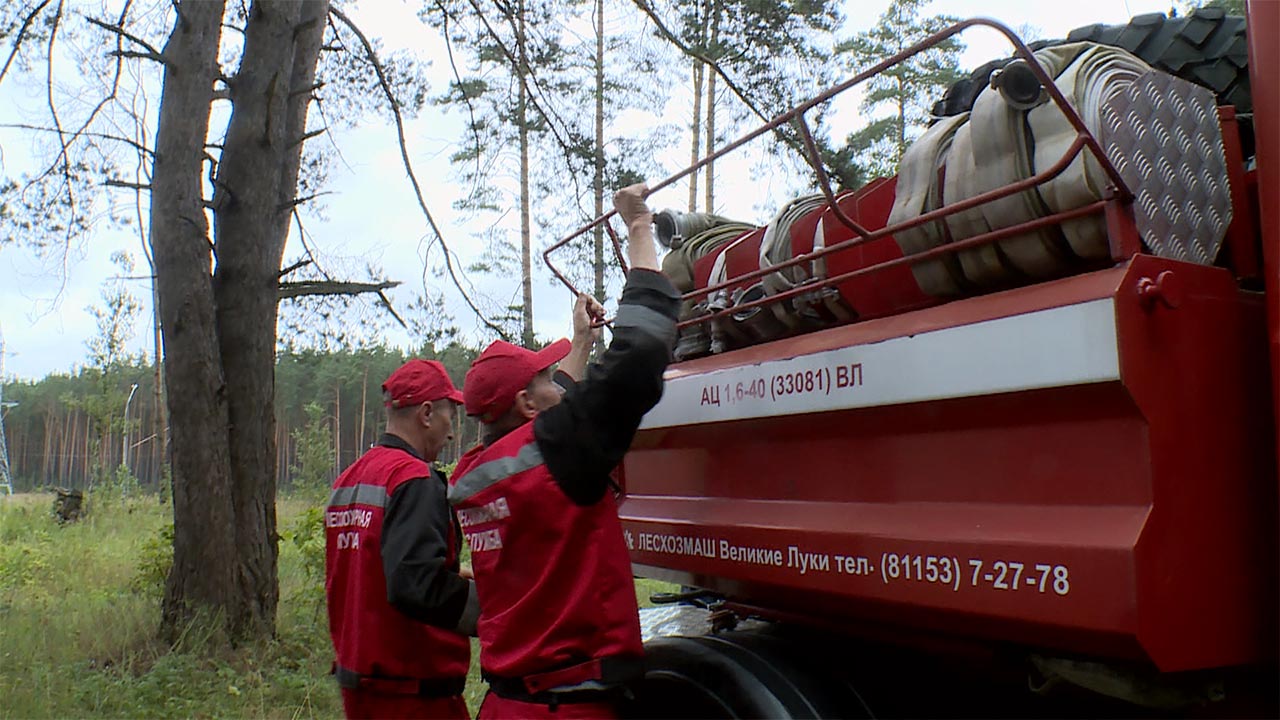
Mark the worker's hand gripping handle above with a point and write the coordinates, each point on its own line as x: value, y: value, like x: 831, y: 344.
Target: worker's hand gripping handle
x: 630, y: 204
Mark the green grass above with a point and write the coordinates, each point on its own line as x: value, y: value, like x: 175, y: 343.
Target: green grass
x: 79, y: 611
x: 80, y: 606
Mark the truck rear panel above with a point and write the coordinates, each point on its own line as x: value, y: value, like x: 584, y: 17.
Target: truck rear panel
x: 1083, y: 465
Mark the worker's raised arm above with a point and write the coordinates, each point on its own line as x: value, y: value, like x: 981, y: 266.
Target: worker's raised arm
x: 629, y: 202
x: 585, y: 436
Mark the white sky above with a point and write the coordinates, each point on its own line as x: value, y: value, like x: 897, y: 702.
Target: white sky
x: 373, y: 215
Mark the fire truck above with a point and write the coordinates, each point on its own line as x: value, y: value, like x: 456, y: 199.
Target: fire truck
x: 995, y: 436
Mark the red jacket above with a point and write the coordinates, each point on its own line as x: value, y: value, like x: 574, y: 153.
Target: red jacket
x: 370, y: 636
x: 554, y: 577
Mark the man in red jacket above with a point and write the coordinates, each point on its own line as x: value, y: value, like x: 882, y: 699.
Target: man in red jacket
x: 400, y: 612
x: 559, y: 629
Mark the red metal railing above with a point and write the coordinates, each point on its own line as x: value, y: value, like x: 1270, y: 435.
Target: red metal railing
x: 1122, y: 233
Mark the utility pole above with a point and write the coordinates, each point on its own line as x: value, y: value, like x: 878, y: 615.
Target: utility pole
x: 6, y: 480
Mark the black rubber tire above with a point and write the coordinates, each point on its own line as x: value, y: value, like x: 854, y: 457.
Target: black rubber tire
x: 735, y: 675
x: 1207, y: 47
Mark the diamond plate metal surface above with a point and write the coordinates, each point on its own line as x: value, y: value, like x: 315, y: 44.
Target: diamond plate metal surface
x: 1163, y: 136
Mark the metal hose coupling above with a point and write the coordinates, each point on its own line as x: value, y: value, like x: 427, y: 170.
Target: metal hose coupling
x: 674, y: 227
x: 1019, y: 86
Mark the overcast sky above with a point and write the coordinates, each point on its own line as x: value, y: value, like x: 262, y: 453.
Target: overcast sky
x: 372, y: 214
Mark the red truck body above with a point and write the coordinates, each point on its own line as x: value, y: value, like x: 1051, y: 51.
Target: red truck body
x: 1082, y: 468
x: 1066, y: 465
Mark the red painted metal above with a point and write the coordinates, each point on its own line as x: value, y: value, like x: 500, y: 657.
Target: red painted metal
x: 824, y: 183
x: 1156, y: 491
x: 741, y: 255
x: 895, y: 288
x: 1240, y: 246
x: 1264, y: 83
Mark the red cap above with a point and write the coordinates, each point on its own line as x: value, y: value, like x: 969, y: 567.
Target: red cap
x: 419, y: 381
x: 502, y: 371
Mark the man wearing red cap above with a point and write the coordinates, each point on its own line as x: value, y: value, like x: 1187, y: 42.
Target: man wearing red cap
x: 559, y: 628
x: 400, y: 611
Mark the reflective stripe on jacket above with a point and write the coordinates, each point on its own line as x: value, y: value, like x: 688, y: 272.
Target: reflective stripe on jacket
x: 553, y: 577
x: 371, y: 637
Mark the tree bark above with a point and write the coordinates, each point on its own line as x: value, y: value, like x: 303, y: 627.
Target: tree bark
x: 597, y: 185
x: 204, y: 567
x: 697, y: 133
x: 254, y: 189
x: 526, y: 236
x: 710, y: 204
x: 160, y: 418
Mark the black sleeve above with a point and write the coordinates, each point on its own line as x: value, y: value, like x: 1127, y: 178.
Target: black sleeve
x: 585, y: 436
x: 415, y: 537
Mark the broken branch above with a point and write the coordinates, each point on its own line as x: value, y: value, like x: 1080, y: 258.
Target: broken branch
x: 142, y: 55
x: 331, y: 287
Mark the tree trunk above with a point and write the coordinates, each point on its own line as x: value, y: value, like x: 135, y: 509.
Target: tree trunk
x: 598, y: 176
x: 526, y: 238
x: 64, y: 449
x: 698, y: 69
x: 48, y: 447
x: 160, y: 415
x: 254, y: 191
x: 337, y: 423
x: 710, y: 205
x: 204, y: 551
x: 364, y: 413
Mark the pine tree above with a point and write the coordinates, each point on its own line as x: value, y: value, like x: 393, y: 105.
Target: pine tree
x: 907, y: 90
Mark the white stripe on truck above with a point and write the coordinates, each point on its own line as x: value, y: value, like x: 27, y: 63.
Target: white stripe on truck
x: 1071, y: 345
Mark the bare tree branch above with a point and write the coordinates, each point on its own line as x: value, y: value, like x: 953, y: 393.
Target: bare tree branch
x: 139, y: 55
x: 466, y: 98
x: 387, y: 304
x: 663, y: 30
x: 302, y: 200
x: 64, y: 143
x: 102, y: 136
x: 126, y: 184
x: 302, y: 237
x: 530, y: 81
x: 22, y: 33
x: 300, y: 264
x: 408, y: 166
x: 524, y: 75
x: 125, y: 34
x: 307, y: 136
x: 305, y: 288
x: 63, y: 161
x: 310, y: 89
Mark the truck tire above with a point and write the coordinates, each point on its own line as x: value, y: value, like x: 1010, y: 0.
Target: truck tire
x: 1207, y: 47
x: 736, y: 675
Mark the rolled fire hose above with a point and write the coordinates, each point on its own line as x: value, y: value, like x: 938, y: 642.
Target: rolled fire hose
x: 1002, y: 155
x: 1089, y: 82
x: 1009, y: 136
x: 919, y: 192
x: 775, y: 249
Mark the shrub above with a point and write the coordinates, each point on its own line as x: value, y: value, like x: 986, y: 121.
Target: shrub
x: 155, y: 557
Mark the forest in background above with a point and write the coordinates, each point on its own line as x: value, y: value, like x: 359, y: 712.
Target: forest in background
x: 328, y: 407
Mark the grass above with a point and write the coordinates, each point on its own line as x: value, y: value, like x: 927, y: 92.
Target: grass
x: 80, y: 606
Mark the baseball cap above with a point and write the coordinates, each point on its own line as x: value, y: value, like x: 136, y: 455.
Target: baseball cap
x: 419, y: 381
x: 501, y: 372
